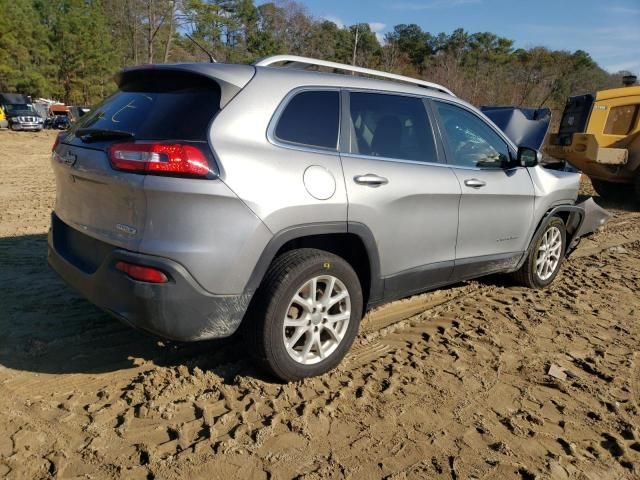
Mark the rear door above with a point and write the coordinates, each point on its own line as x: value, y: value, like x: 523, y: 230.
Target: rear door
x: 151, y: 106
x: 496, y: 207
x: 398, y: 188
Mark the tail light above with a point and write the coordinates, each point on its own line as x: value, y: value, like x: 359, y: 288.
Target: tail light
x: 177, y: 159
x: 142, y: 273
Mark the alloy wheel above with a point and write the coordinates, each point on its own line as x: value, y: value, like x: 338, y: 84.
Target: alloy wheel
x: 316, y: 319
x: 549, y: 253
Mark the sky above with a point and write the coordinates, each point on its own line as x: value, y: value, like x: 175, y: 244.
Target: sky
x: 609, y: 30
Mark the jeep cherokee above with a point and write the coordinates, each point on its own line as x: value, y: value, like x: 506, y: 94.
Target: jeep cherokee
x: 202, y: 196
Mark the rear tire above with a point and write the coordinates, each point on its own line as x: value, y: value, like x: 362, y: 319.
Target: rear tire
x: 545, y: 256
x: 636, y: 186
x: 306, y: 314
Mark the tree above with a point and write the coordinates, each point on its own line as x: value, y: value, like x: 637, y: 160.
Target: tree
x: 83, y: 59
x: 24, y: 50
x: 70, y: 49
x: 414, y: 42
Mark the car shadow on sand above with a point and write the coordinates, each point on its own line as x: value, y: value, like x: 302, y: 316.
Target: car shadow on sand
x: 46, y: 327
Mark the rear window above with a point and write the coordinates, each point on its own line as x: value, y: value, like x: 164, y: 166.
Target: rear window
x: 311, y: 118
x: 158, y: 105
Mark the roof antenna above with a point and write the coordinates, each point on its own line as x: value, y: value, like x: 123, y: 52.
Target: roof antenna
x: 211, y: 59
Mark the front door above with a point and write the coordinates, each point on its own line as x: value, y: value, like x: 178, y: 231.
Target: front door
x: 496, y: 207
x: 399, y: 190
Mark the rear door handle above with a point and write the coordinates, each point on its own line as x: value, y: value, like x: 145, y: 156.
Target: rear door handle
x: 474, y: 183
x: 370, y: 179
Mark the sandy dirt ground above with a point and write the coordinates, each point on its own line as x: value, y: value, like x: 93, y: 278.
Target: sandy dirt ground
x: 451, y: 384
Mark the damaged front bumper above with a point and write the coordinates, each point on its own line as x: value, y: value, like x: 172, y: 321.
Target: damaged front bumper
x: 590, y: 220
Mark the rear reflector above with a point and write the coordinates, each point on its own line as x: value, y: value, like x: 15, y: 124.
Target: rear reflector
x: 177, y: 159
x: 142, y: 273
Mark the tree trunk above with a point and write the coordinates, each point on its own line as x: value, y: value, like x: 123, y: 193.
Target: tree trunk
x: 167, y: 45
x: 355, y: 47
x: 132, y: 15
x: 151, y: 21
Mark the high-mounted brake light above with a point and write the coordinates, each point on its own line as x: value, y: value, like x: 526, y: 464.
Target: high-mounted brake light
x: 142, y: 273
x: 159, y: 158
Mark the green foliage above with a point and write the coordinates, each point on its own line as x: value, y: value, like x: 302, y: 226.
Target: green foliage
x: 82, y: 60
x: 70, y: 49
x: 414, y: 42
x: 24, y: 48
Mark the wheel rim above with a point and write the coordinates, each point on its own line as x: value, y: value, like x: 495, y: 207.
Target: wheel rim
x: 549, y: 253
x: 316, y: 319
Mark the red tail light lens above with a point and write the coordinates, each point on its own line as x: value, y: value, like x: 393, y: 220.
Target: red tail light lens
x: 142, y: 273
x: 159, y: 158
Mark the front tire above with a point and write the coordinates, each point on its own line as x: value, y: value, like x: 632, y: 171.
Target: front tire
x: 545, y: 256
x: 306, y: 314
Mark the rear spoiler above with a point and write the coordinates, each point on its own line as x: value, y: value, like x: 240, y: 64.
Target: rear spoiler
x: 526, y: 127
x: 231, y: 78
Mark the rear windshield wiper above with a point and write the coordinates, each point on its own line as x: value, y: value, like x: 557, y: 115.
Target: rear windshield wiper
x: 95, y: 134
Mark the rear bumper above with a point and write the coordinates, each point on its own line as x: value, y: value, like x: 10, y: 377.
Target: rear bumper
x: 178, y: 310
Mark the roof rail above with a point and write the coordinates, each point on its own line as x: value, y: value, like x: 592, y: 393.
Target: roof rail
x: 294, y: 59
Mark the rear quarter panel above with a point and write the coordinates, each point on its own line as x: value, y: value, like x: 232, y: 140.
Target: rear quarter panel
x: 268, y: 177
x: 204, y: 226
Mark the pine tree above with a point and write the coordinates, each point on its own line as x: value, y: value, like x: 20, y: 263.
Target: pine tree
x: 25, y: 51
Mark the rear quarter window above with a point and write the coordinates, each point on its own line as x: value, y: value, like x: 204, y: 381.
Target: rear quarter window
x: 159, y: 105
x: 311, y: 119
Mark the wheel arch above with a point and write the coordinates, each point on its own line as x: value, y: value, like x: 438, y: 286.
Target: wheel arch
x: 571, y: 215
x: 350, y: 240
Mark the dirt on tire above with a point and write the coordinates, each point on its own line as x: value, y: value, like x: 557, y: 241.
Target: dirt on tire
x: 450, y: 384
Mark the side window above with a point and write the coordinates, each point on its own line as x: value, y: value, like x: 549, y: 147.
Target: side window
x: 311, y: 119
x: 472, y: 143
x: 391, y: 126
x: 621, y: 120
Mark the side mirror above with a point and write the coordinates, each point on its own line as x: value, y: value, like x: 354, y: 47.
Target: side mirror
x: 528, y: 157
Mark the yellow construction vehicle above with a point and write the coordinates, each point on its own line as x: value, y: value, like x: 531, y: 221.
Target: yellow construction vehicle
x: 601, y: 137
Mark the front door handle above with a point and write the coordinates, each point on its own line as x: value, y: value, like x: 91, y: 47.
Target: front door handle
x: 474, y: 183
x: 370, y: 179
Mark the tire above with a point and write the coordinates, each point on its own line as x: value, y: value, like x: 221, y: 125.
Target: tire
x: 636, y: 186
x: 610, y: 191
x: 531, y: 274
x: 328, y: 340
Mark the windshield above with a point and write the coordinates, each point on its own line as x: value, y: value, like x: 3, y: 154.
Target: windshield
x: 19, y: 107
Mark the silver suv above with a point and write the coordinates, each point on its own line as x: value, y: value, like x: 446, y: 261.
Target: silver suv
x: 202, y: 196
